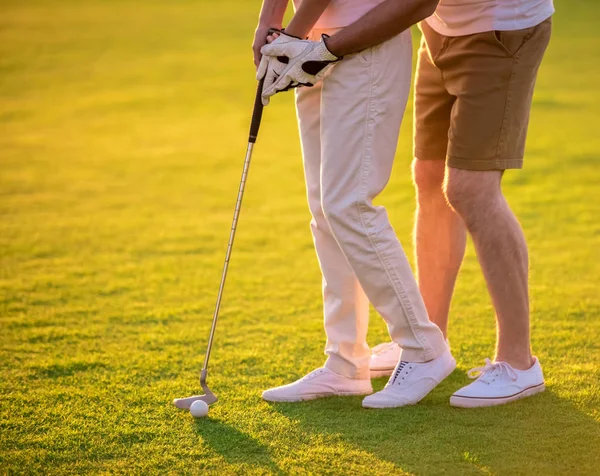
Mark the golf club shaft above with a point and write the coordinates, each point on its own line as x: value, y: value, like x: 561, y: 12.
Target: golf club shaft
x: 254, y: 127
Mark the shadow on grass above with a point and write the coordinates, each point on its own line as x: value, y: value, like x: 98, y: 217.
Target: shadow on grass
x: 540, y: 435
x: 234, y: 446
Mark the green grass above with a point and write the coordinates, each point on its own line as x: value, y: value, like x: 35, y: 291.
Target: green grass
x: 122, y: 132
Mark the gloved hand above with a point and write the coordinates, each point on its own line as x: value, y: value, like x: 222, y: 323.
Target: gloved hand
x: 271, y: 67
x: 308, y: 61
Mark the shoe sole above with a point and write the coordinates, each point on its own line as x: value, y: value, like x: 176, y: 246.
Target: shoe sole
x: 475, y: 402
x: 315, y: 396
x: 449, y: 370
x: 381, y: 373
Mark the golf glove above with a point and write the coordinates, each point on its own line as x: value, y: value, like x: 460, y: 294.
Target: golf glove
x: 307, y: 63
x: 271, y: 67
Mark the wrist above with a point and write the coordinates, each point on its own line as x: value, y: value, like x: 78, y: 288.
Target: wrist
x: 285, y: 32
x: 264, y: 24
x: 326, y: 40
x: 332, y: 44
x: 290, y: 30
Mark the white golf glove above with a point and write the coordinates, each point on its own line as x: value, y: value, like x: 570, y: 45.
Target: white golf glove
x: 271, y: 67
x: 308, y: 61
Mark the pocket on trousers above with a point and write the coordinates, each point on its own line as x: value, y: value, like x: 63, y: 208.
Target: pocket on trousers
x: 512, y: 41
x: 364, y: 57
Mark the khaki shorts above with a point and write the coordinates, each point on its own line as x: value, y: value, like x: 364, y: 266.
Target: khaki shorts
x: 473, y: 96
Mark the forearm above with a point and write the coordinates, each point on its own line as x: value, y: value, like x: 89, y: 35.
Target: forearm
x: 305, y: 18
x: 382, y: 23
x: 272, y: 12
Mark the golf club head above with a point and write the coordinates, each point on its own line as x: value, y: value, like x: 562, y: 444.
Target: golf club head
x: 186, y: 403
x: 209, y: 398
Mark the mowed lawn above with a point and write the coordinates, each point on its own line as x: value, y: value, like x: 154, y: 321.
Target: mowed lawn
x: 123, y: 127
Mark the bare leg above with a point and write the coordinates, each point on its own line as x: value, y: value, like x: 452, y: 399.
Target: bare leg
x: 502, y: 252
x: 440, y: 239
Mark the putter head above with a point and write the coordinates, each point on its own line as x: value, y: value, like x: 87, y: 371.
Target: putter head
x: 208, y: 397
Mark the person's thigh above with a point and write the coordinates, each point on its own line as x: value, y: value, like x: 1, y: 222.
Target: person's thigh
x: 492, y: 74
x: 432, y: 102
x: 363, y: 101
x: 308, y: 111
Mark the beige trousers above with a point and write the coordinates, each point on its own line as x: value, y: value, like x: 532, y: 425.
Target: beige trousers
x: 349, y: 125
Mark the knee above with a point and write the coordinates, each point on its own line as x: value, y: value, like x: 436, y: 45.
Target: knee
x: 335, y: 211
x: 343, y: 213
x: 472, y: 193
x: 314, y: 202
x: 428, y: 176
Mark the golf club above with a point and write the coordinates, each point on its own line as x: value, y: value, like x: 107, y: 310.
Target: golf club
x: 209, y: 397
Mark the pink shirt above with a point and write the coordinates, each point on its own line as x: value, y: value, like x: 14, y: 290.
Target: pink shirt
x: 341, y: 13
x: 467, y: 17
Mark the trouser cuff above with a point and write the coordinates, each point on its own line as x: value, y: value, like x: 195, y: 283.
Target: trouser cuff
x: 421, y: 355
x: 345, y: 368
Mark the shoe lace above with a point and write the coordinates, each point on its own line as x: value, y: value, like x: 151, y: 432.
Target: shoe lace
x: 490, y: 370
x: 398, y: 371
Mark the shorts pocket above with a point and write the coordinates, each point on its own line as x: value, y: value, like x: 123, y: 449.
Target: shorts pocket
x: 512, y: 41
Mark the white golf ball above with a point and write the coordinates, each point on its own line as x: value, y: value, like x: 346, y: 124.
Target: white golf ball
x: 199, y: 409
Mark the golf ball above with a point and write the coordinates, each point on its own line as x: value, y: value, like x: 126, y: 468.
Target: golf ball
x: 199, y: 409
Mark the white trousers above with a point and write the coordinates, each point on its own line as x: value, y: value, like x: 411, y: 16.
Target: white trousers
x: 349, y: 125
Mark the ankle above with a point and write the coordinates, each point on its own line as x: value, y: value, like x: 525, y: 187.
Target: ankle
x: 441, y: 322
x: 523, y: 362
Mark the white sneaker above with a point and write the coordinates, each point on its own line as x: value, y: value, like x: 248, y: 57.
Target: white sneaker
x: 498, y: 383
x: 384, y: 358
x: 317, y: 384
x: 411, y: 381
